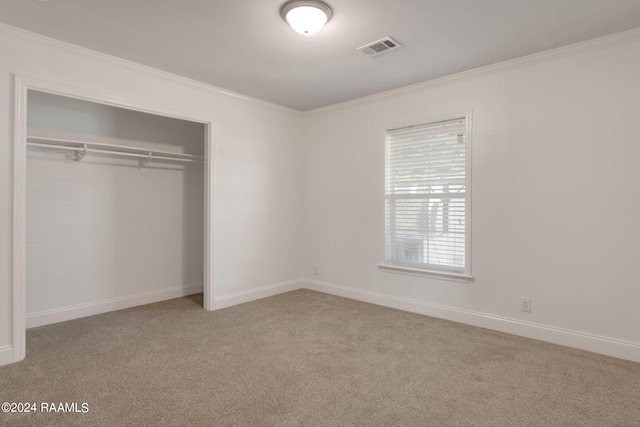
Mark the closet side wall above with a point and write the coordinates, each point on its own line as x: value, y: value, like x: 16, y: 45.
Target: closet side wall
x: 104, y: 228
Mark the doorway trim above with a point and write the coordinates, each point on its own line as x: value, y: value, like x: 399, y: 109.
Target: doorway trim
x: 22, y: 84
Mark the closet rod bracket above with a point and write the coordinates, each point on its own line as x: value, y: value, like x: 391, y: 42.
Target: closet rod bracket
x: 79, y: 154
x: 146, y: 159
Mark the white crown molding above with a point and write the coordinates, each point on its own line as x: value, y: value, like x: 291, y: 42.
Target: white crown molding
x: 601, y: 42
x: 65, y: 47
x: 524, y: 61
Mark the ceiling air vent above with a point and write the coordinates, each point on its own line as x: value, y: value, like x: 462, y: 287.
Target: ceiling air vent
x: 379, y: 46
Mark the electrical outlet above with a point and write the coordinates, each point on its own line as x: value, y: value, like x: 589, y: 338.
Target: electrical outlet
x: 525, y: 304
x: 316, y: 270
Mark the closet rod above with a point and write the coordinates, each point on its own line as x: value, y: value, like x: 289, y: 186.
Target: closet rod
x: 120, y: 150
x: 118, y: 153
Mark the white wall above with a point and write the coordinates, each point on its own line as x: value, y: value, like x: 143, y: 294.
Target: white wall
x: 554, y: 205
x: 103, y: 228
x: 258, y: 172
x: 555, y: 199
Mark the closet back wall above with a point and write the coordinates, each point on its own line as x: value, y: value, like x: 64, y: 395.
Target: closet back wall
x: 103, y: 228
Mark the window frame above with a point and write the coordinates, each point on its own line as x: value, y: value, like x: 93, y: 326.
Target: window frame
x: 391, y: 266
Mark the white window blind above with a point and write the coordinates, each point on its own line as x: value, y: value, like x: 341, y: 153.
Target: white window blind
x: 426, y: 196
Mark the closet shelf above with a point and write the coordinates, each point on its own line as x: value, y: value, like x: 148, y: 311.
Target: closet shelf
x: 80, y: 148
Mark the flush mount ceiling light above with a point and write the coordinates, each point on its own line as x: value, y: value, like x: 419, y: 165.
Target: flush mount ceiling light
x: 306, y: 16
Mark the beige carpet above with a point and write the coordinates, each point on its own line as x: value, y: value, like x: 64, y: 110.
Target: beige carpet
x: 304, y: 359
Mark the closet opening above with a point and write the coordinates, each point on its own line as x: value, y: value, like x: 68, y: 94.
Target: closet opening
x: 113, y: 207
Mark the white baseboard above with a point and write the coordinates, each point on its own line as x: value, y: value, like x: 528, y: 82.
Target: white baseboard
x: 6, y: 355
x: 258, y: 293
x: 74, y: 312
x: 594, y: 343
x: 597, y: 344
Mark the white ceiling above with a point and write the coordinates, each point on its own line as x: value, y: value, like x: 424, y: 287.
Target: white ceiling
x: 244, y: 46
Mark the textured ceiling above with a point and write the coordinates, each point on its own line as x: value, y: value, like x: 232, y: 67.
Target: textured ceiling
x: 245, y: 47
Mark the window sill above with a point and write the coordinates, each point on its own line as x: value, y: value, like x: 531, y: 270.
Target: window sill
x: 434, y: 274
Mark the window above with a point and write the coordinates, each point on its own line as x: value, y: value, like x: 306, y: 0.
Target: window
x: 427, y: 197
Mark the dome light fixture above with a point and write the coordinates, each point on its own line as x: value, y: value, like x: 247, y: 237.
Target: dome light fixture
x: 306, y: 16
